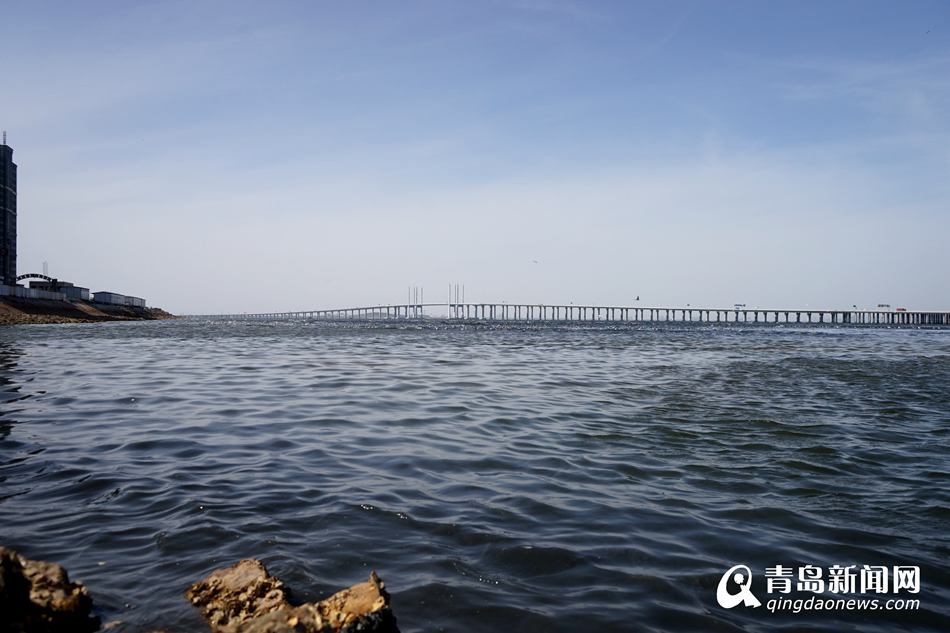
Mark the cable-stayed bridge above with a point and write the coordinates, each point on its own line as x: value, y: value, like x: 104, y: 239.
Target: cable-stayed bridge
x: 527, y: 312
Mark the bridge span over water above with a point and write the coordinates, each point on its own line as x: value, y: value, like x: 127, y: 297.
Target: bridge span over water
x: 524, y: 312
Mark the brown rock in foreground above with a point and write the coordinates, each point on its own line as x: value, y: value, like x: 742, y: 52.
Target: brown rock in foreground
x: 37, y: 597
x: 237, y: 594
x: 244, y: 598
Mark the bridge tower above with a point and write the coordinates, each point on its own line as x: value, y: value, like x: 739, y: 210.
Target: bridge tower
x: 7, y: 214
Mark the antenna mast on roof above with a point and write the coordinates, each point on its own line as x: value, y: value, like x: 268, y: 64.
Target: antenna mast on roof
x: 4, y: 137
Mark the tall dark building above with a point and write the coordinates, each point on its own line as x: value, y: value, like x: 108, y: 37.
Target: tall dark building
x: 7, y: 214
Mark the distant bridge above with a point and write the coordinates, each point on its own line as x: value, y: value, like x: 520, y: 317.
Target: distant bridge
x: 524, y: 312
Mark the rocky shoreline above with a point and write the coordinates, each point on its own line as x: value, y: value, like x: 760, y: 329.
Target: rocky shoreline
x: 244, y: 598
x: 19, y: 311
x: 38, y: 597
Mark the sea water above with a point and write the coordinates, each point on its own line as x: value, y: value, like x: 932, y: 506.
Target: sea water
x: 498, y: 478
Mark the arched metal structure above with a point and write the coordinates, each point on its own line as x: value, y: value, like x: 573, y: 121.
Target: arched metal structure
x: 34, y: 276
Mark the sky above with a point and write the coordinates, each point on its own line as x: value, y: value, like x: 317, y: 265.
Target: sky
x: 218, y: 157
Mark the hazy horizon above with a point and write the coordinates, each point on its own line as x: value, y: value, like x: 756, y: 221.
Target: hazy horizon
x: 232, y: 156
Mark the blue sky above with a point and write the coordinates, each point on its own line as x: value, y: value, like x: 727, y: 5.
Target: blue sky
x: 244, y: 156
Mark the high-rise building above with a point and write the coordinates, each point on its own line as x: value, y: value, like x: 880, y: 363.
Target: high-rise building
x: 7, y: 214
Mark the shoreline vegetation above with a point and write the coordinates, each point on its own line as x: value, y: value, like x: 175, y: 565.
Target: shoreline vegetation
x: 38, y: 597
x: 19, y: 311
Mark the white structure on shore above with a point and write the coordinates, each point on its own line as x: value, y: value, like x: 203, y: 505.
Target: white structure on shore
x: 115, y: 299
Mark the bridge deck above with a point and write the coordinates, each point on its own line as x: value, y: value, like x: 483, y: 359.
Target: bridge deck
x: 520, y: 312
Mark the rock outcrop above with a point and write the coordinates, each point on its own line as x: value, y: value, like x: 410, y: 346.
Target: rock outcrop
x: 38, y: 597
x: 244, y: 598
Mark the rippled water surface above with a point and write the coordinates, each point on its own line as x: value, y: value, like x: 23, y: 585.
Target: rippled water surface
x: 499, y: 479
